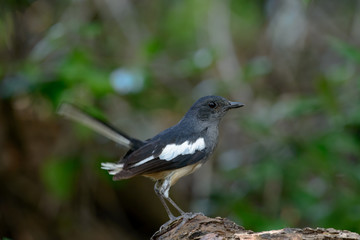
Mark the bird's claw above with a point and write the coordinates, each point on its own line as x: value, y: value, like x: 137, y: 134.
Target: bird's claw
x: 174, y: 222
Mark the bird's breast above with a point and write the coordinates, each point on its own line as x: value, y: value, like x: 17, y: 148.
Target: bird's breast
x: 211, y: 137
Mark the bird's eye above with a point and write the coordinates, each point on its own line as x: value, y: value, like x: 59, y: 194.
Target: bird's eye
x: 212, y: 104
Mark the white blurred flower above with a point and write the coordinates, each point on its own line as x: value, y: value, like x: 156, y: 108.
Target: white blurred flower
x: 126, y: 81
x: 202, y: 58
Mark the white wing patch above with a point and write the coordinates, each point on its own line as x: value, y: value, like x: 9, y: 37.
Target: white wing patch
x: 171, y: 151
x: 113, y: 168
x: 144, y: 161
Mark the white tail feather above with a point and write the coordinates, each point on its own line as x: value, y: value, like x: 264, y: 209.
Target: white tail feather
x: 113, y: 168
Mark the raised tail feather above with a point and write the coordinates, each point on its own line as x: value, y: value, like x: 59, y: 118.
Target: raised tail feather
x: 74, y: 113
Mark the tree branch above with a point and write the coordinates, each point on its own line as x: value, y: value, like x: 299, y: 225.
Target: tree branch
x: 204, y: 228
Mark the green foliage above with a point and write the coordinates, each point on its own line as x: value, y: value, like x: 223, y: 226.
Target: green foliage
x: 294, y: 147
x: 60, y: 177
x: 316, y: 165
x: 347, y: 50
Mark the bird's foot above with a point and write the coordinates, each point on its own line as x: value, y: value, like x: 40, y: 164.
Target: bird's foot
x: 190, y: 215
x: 186, y: 216
x: 177, y: 222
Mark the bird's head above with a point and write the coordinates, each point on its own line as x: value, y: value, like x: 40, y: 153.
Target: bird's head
x: 212, y: 108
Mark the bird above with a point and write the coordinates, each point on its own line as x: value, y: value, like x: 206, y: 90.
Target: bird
x: 168, y: 156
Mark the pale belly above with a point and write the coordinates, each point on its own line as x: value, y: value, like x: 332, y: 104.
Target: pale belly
x: 174, y: 175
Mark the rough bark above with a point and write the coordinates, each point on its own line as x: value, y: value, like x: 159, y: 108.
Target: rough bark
x: 204, y: 228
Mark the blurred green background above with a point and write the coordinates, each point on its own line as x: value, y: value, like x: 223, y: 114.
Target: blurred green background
x: 290, y: 158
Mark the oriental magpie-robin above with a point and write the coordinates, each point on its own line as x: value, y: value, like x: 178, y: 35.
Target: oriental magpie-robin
x: 170, y: 155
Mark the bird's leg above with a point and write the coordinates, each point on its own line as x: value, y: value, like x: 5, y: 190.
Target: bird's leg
x: 159, y: 192
x: 175, y: 205
x: 165, y: 187
x: 164, y: 191
x: 162, y: 188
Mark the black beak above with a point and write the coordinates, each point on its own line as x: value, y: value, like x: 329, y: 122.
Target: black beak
x: 235, y: 105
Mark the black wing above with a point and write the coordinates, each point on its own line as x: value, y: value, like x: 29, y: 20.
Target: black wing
x: 147, y: 159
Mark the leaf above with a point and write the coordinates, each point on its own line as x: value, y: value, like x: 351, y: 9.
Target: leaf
x: 345, y: 49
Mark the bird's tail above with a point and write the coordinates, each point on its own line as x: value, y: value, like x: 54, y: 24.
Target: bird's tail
x: 117, y: 170
x: 112, y: 168
x: 105, y: 129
